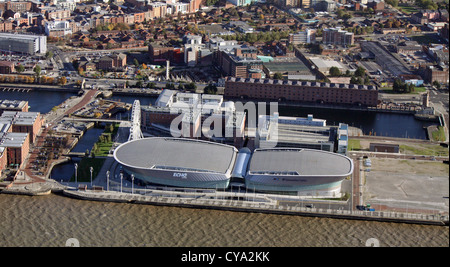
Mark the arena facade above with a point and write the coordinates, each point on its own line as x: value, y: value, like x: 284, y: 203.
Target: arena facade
x: 191, y: 163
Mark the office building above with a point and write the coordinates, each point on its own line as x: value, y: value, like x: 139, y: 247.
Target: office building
x: 23, y: 43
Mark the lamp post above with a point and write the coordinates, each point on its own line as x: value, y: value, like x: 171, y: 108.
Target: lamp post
x: 107, y: 180
x: 132, y: 183
x: 76, y: 168
x: 91, y: 169
x: 121, y: 179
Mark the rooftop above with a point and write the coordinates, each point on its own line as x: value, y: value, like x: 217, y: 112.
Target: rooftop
x: 177, y: 154
x: 15, y: 140
x: 301, y: 162
x: 301, y: 83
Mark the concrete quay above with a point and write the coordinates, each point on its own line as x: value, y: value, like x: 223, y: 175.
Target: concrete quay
x: 257, y: 203
x: 258, y: 207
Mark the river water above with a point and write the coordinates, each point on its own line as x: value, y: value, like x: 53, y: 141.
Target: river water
x: 384, y: 124
x: 51, y: 220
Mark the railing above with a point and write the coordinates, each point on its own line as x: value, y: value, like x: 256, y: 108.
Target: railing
x: 254, y: 202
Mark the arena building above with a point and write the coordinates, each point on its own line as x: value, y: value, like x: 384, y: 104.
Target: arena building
x: 296, y: 171
x: 178, y: 162
x: 202, y: 164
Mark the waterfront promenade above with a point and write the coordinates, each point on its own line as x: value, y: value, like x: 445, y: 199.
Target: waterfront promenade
x: 25, y: 175
x: 251, y: 203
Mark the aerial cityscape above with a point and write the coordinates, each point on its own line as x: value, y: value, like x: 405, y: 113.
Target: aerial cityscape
x: 224, y: 123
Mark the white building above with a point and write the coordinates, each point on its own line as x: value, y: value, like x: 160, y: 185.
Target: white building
x: 65, y: 4
x: 193, y: 44
x: 303, y: 37
x: 57, y: 28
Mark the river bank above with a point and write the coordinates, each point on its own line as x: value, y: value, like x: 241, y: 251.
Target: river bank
x: 215, y: 202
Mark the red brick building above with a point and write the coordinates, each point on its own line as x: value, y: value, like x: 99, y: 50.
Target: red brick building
x: 296, y: 91
x: 6, y: 67
x: 16, y: 146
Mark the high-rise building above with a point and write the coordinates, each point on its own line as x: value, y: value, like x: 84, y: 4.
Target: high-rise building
x: 337, y: 36
x: 304, y: 37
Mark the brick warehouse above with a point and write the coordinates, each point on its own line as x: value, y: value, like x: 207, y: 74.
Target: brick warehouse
x: 299, y: 91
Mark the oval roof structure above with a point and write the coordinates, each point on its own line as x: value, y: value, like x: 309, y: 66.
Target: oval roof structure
x: 177, y: 154
x: 299, y: 162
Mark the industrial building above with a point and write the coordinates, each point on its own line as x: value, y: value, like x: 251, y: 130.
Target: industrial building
x: 13, y: 105
x: 18, y: 130
x: 296, y: 91
x: 23, y: 43
x: 24, y: 122
x: 384, y: 58
x: 290, y: 67
x: 201, y: 164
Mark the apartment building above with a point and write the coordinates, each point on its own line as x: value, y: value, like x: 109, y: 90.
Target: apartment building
x: 24, y: 122
x: 337, y: 36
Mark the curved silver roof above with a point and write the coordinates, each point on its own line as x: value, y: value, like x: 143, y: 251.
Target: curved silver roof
x: 177, y: 154
x: 299, y: 162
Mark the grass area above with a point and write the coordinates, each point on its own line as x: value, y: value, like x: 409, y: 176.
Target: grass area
x: 354, y: 144
x: 439, y: 135
x: 103, y: 145
x: 101, y: 148
x: 407, y: 8
x: 427, y: 150
x: 417, y: 90
x: 83, y: 173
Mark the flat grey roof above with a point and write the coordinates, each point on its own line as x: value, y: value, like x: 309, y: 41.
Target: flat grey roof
x: 177, y: 154
x: 302, y: 162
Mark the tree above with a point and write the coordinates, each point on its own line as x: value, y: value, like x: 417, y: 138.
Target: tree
x: 62, y: 80
x: 20, y: 68
x: 191, y: 87
x: 437, y: 85
x: 49, y: 55
x: 37, y: 70
x: 393, y: 3
x: 278, y: 76
x: 360, y: 72
x: 210, y: 89
x: 334, y: 71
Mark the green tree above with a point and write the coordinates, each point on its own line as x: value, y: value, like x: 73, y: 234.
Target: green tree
x: 334, y: 71
x: 393, y: 3
x: 20, y: 68
x: 360, y: 72
x: 278, y: 76
x: 210, y: 89
x: 437, y: 84
x: 49, y: 55
x: 37, y: 71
